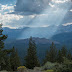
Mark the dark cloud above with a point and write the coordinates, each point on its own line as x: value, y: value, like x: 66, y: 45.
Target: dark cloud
x: 32, y: 6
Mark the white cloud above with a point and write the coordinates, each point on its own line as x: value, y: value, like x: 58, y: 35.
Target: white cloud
x: 6, y: 7
x: 17, y: 21
x: 67, y: 24
x: 6, y: 18
x: 71, y: 10
x: 60, y: 1
x: 9, y: 27
x: 51, y: 5
x: 9, y: 17
x: 5, y: 12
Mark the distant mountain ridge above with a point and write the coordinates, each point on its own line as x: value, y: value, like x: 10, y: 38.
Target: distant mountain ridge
x: 41, y: 32
x: 22, y: 45
x: 37, y: 41
x: 65, y: 38
x: 43, y: 44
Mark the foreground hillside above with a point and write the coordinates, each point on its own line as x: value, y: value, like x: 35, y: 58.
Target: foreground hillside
x: 42, y: 44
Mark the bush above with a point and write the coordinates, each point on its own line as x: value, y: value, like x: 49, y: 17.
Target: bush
x: 66, y: 66
x: 48, y: 71
x: 4, y: 71
x: 21, y: 69
x: 48, y: 66
x: 37, y: 69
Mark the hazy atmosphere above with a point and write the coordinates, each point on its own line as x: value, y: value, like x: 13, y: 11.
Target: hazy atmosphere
x: 30, y: 25
x: 35, y: 14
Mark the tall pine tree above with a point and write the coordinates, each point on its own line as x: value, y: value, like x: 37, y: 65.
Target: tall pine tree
x: 14, y: 59
x: 47, y: 57
x: 64, y: 51
x: 53, y: 53
x: 31, y: 59
x: 69, y: 55
x: 2, y: 54
x: 59, y: 57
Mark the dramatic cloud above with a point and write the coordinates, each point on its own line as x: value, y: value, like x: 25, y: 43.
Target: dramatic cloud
x: 5, y: 7
x: 9, y: 20
x: 34, y: 6
x: 33, y: 13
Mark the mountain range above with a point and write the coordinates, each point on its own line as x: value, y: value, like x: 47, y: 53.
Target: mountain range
x: 42, y: 32
x: 63, y: 36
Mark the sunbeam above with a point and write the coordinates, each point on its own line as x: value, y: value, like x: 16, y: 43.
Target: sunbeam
x: 52, y: 15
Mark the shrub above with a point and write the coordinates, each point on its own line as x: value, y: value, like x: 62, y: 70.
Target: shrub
x: 21, y: 69
x: 37, y: 69
x: 48, y: 66
x: 66, y: 66
x: 49, y: 71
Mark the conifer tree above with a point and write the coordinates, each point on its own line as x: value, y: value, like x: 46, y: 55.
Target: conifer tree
x: 31, y: 59
x: 2, y: 38
x: 17, y: 58
x: 69, y: 55
x: 7, y: 63
x: 47, y: 57
x: 14, y: 59
x: 64, y: 51
x: 53, y: 53
x: 59, y: 57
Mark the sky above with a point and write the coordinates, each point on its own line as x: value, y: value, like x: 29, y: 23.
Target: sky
x: 33, y: 13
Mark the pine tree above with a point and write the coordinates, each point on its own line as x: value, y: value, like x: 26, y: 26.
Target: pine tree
x: 31, y: 59
x: 7, y: 63
x: 53, y: 53
x: 47, y: 57
x: 2, y: 54
x: 18, y: 63
x: 69, y: 56
x: 14, y: 59
x: 64, y: 51
x: 59, y: 57
x: 2, y: 38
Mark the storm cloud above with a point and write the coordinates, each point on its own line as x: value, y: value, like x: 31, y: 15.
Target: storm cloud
x: 37, y: 6
x: 33, y: 6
